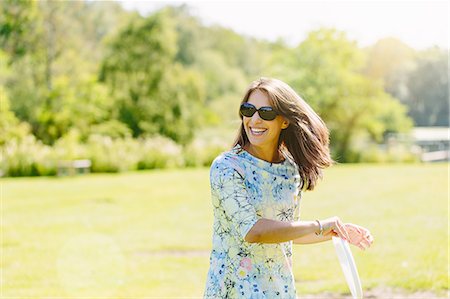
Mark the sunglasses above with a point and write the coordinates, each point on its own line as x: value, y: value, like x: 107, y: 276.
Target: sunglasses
x: 266, y: 113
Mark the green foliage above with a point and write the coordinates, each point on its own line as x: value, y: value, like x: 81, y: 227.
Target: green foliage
x: 27, y: 157
x: 69, y: 147
x: 428, y: 86
x: 238, y: 51
x: 112, y: 128
x: 130, y: 154
x: 202, y: 152
x: 418, y: 79
x: 154, y: 95
x: 191, y: 39
x: 386, y: 57
x: 112, y: 155
x: 178, y: 111
x: 221, y: 78
x: 159, y: 152
x: 17, y: 20
x: 75, y: 72
x: 389, y: 117
x: 373, y: 153
x: 142, y: 50
x: 118, y: 155
x: 10, y: 127
x: 73, y: 105
x: 327, y: 75
x: 56, y: 71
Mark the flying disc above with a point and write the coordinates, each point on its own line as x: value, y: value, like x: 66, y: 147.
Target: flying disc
x: 348, y: 267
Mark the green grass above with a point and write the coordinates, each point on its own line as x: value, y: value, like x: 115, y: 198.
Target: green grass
x: 147, y: 234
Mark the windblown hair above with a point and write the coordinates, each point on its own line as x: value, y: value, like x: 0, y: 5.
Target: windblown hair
x: 305, y: 140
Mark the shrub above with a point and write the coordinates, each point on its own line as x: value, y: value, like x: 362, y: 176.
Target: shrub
x: 159, y: 152
x: 69, y: 147
x: 27, y: 157
x: 201, y: 152
x: 112, y: 155
x: 383, y: 154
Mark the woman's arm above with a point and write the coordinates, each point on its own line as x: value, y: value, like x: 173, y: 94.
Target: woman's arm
x: 274, y: 231
x: 313, y: 238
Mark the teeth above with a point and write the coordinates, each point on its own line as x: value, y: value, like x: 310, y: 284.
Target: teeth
x: 258, y: 131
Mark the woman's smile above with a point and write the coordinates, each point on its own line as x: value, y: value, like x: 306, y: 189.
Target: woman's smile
x: 257, y: 131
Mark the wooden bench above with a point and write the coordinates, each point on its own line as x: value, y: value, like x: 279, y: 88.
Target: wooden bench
x: 72, y: 167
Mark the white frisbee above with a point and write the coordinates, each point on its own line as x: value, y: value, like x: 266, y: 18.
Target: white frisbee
x: 348, y: 267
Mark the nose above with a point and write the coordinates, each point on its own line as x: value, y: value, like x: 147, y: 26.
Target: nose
x: 256, y: 118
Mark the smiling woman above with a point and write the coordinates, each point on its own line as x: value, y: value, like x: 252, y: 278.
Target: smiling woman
x: 280, y: 150
x: 293, y: 127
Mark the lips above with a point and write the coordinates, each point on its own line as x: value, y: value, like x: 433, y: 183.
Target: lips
x: 257, y: 131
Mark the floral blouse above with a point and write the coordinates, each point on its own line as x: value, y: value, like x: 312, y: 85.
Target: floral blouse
x: 244, y: 189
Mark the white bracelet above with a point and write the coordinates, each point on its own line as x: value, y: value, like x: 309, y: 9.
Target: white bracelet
x: 320, y: 233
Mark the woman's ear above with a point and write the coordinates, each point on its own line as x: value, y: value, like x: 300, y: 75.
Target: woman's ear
x: 285, y: 124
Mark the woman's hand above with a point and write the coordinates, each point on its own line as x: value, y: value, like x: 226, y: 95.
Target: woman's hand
x: 352, y: 233
x: 335, y: 227
x: 359, y: 236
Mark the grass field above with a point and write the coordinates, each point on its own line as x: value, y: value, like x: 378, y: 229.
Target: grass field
x: 148, y: 234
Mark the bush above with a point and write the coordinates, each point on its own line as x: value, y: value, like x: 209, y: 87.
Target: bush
x: 69, y: 147
x: 116, y: 155
x: 27, y: 157
x: 201, y: 152
x: 159, y: 152
x: 401, y: 154
x: 112, y: 128
x: 381, y: 154
x: 112, y: 155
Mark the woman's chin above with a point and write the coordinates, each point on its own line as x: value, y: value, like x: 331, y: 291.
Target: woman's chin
x: 255, y: 141
x: 258, y: 141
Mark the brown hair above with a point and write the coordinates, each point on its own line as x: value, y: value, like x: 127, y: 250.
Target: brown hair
x: 306, y: 139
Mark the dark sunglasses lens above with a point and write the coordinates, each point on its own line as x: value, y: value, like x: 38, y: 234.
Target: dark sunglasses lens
x: 267, y: 113
x: 247, y: 110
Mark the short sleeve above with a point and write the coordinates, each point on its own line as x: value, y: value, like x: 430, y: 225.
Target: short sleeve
x: 228, y: 189
x: 298, y: 200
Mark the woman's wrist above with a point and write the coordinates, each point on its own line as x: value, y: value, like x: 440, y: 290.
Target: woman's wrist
x: 320, y: 229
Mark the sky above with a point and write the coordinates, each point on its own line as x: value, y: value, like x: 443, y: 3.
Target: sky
x: 420, y: 24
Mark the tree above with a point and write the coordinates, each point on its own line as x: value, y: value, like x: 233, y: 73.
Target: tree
x: 191, y: 41
x: 155, y: 95
x: 10, y: 126
x: 53, y: 50
x: 387, y: 56
x: 326, y: 70
x: 17, y: 25
x: 428, y: 90
x: 418, y: 79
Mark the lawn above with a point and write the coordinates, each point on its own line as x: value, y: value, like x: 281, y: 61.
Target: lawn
x: 148, y: 234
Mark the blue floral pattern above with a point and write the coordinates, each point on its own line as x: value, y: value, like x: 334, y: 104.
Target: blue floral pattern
x: 243, y: 190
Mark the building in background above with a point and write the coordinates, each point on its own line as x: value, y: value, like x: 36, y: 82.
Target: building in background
x: 432, y: 144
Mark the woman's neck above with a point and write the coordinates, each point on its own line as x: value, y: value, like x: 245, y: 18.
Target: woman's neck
x: 271, y: 155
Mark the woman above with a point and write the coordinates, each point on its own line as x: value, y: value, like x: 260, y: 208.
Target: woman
x: 280, y: 150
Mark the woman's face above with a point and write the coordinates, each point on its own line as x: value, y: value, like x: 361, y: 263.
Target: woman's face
x: 263, y: 133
